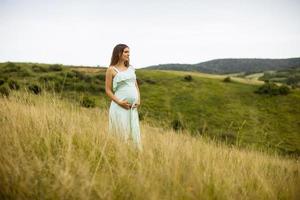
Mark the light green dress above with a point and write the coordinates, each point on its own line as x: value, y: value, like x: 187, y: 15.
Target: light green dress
x: 125, y: 122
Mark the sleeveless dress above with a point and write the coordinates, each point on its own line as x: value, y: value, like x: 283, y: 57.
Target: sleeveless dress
x: 125, y: 122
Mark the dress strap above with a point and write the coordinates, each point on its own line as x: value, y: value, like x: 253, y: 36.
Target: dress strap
x: 115, y: 68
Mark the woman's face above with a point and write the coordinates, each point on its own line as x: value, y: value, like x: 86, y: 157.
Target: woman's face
x: 125, y: 55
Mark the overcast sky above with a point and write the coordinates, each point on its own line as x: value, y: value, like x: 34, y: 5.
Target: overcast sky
x: 157, y: 31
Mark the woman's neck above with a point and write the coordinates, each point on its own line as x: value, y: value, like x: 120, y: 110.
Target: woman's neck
x: 121, y: 65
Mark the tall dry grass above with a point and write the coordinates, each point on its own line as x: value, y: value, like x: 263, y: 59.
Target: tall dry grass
x: 54, y: 149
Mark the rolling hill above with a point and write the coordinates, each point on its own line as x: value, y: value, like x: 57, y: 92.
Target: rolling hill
x: 231, y: 65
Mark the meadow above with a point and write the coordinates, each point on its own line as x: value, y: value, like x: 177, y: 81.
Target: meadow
x: 51, y: 148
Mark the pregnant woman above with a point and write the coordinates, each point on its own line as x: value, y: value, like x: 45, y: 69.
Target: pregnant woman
x: 122, y: 88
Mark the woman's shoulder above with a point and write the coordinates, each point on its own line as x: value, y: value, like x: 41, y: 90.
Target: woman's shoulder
x: 111, y: 68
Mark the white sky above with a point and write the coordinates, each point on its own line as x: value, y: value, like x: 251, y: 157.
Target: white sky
x: 157, y: 31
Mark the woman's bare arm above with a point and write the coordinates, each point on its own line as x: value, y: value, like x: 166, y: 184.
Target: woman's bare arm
x: 108, y: 85
x: 137, y: 87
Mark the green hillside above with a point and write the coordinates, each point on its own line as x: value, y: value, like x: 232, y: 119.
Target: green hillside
x: 223, y: 109
x: 229, y: 111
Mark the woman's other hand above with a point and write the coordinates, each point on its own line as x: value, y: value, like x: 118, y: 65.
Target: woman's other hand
x: 137, y: 104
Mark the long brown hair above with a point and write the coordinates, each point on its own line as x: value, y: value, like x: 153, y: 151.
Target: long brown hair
x: 116, y: 55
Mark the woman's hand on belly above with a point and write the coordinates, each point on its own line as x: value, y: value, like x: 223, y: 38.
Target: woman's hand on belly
x: 125, y: 104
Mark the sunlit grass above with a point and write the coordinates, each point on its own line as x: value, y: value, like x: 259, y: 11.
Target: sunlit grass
x: 53, y: 149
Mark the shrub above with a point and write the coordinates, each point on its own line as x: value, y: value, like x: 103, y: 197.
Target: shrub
x: 272, y: 89
x: 11, y: 67
x: 150, y: 81
x: 55, y: 67
x: 35, y: 88
x: 81, y: 76
x: 102, y: 89
x: 71, y: 74
x: 293, y: 80
x: 80, y: 87
x: 88, y: 102
x: 24, y: 72
x: 188, y: 78
x: 4, y: 91
x: 227, y: 79
x: 100, y: 77
x: 227, y: 137
x: 3, y: 76
x: 139, y: 81
x: 284, y: 89
x: 294, y: 86
x: 76, y: 74
x: 141, y: 115
x: 98, y: 82
x: 59, y: 85
x: 87, y: 78
x: 267, y: 88
x: 37, y: 68
x: 2, y: 81
x: 93, y: 88
x: 14, y: 85
x: 177, y: 124
x: 47, y: 78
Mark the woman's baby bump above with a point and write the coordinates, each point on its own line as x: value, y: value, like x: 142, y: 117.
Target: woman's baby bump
x: 128, y: 93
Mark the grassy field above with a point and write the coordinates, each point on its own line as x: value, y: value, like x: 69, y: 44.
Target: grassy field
x: 228, y: 111
x: 51, y: 148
